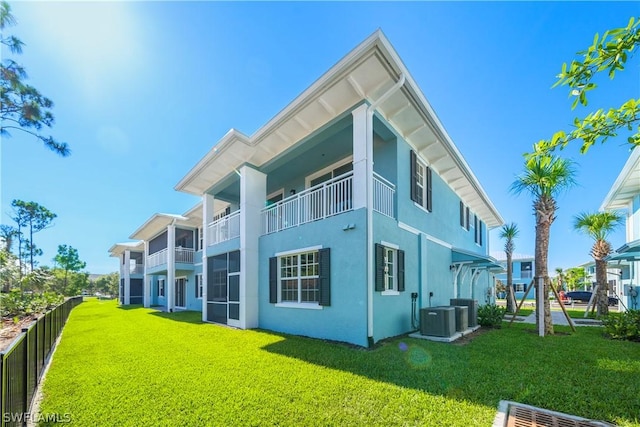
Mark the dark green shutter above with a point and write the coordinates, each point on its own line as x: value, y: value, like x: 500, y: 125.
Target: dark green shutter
x: 196, y: 278
x: 480, y: 225
x: 379, y: 267
x: 461, y: 214
x: 429, y: 198
x: 400, y: 270
x: 413, y: 159
x: 467, y: 218
x: 324, y: 276
x: 273, y: 280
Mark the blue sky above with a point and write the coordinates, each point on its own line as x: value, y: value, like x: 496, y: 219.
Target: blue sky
x: 143, y: 90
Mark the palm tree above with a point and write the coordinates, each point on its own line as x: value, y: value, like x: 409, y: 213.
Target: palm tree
x: 598, y: 226
x: 509, y: 232
x: 560, y: 277
x: 544, y: 177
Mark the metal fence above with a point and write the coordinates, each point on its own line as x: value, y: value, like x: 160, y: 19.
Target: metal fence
x: 21, y: 365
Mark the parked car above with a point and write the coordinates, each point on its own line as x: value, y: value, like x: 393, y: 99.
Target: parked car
x: 585, y: 296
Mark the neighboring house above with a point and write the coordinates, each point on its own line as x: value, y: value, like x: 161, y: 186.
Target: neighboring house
x: 624, y: 195
x: 337, y: 212
x: 618, y: 274
x: 523, y: 267
x: 131, y: 261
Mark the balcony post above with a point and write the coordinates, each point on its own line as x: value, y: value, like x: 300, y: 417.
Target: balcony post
x: 171, y: 267
x: 127, y: 276
x: 207, y: 216
x: 362, y: 155
x: 146, y: 286
x: 253, y: 193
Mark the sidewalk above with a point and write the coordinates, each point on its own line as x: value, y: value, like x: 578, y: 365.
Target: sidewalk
x: 557, y: 317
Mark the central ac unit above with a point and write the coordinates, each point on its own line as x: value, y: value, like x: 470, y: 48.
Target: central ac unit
x: 473, y: 309
x: 438, y: 321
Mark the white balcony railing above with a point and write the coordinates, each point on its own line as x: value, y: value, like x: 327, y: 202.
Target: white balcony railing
x: 323, y: 200
x: 137, y: 269
x: 184, y: 255
x: 157, y: 258
x: 225, y: 228
x: 383, y: 192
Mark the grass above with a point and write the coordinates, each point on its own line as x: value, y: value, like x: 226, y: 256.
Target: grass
x: 138, y: 367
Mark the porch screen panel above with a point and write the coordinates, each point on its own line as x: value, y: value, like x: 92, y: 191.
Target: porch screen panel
x: 158, y: 243
x: 135, y: 291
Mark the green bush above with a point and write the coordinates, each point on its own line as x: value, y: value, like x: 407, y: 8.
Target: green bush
x: 17, y: 304
x: 623, y: 326
x: 491, y: 315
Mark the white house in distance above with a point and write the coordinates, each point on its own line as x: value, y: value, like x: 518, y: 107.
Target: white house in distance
x: 624, y: 195
x: 523, y: 268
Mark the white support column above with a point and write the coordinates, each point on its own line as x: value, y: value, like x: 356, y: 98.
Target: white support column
x: 360, y: 156
x: 127, y: 277
x: 540, y: 305
x: 171, y: 267
x: 253, y: 193
x: 145, y: 284
x: 207, y: 216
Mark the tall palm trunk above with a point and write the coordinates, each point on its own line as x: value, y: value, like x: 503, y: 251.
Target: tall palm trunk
x: 545, y: 208
x: 600, y: 250
x: 510, y: 296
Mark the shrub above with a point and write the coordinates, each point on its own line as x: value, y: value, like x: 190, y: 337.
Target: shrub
x: 623, y: 326
x: 491, y: 315
x: 16, y: 304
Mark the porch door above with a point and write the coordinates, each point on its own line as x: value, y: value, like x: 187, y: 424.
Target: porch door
x: 180, y: 292
x: 217, y: 289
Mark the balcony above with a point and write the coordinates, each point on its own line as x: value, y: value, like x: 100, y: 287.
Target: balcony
x: 223, y: 229
x: 137, y: 269
x: 182, y: 255
x: 383, y: 193
x: 329, y: 198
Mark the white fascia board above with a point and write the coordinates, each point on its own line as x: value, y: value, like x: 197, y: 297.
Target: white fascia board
x: 633, y: 162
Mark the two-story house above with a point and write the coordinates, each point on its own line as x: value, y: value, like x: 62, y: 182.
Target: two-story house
x: 131, y: 269
x: 339, y: 210
x: 624, y: 195
x: 522, y: 273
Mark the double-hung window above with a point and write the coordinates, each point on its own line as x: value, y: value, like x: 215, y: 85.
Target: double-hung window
x: 421, y: 182
x: 160, y: 287
x: 198, y: 286
x: 300, y: 278
x: 389, y: 268
x: 478, y: 230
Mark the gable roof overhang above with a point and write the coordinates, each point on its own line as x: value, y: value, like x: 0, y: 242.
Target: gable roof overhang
x: 159, y: 222
x: 474, y: 260
x: 628, y: 252
x: 626, y: 186
x: 117, y: 249
x: 364, y: 74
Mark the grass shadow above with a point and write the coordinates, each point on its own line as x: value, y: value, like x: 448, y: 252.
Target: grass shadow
x: 186, y: 316
x: 502, y: 364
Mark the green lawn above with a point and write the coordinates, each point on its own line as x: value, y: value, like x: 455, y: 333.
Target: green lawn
x: 138, y: 367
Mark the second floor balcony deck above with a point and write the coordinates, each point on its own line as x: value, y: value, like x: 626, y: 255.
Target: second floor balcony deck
x: 182, y: 256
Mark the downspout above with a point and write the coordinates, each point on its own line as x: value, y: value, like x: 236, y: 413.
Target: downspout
x: 369, y: 190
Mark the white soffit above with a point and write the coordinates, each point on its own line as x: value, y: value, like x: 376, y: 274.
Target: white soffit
x: 119, y: 248
x: 365, y: 73
x: 626, y: 186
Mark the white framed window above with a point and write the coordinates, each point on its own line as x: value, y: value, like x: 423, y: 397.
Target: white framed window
x: 526, y: 270
x: 338, y: 168
x: 301, y: 279
x: 519, y: 287
x: 421, y: 182
x: 200, y: 239
x: 160, y: 287
x: 199, y: 286
x: 389, y: 269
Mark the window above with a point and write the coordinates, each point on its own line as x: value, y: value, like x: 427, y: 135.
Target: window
x: 160, y: 287
x: 421, y: 182
x: 198, y: 286
x: 200, y: 239
x: 525, y: 270
x: 462, y: 222
x: 335, y: 170
x: 519, y: 287
x: 389, y: 268
x: 300, y: 278
x: 478, y: 230
x: 467, y: 215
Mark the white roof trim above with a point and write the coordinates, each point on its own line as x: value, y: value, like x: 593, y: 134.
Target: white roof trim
x: 119, y: 248
x: 376, y: 51
x: 618, y: 195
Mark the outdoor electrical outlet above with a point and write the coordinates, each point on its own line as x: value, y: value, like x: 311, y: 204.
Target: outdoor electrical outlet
x: 414, y: 295
x: 430, y: 294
